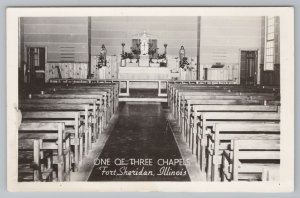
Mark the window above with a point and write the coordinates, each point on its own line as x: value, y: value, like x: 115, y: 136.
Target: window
x: 269, y: 48
x: 152, y: 46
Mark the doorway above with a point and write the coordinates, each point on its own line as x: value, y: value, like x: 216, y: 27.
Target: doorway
x: 36, y: 60
x: 249, y: 61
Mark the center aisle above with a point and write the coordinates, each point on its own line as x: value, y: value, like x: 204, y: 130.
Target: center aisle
x: 140, y: 134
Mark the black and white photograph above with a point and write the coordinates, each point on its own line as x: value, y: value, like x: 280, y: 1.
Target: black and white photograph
x: 141, y: 99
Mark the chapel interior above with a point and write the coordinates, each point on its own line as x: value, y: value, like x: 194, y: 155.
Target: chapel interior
x: 187, y: 98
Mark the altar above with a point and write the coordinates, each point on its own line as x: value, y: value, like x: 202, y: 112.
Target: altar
x: 144, y: 73
x: 144, y: 65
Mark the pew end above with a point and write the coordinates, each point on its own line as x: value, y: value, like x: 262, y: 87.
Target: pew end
x: 251, y: 160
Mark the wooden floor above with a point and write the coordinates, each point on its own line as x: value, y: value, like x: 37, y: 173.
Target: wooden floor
x: 140, y: 133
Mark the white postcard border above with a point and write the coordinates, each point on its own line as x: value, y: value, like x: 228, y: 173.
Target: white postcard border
x: 286, y: 183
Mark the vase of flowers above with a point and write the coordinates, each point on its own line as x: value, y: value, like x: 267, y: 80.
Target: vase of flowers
x: 184, y: 64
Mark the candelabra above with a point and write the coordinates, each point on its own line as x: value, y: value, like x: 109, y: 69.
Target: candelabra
x: 123, y: 44
x: 165, y: 45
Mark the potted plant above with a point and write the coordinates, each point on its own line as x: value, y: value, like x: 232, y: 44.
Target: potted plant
x: 130, y: 56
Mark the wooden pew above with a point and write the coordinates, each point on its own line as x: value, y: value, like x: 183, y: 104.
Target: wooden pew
x: 112, y: 88
x: 109, y: 85
x: 204, y: 121
x: 85, y: 110
x: 186, y: 121
x: 183, y: 98
x: 199, y: 86
x: 222, y: 132
x: 210, y: 92
x: 176, y: 103
x: 114, y: 94
x: 73, y: 126
x: 263, y: 155
x: 186, y: 96
x: 107, y: 103
x: 225, y: 88
x: 53, y: 139
x: 92, y: 102
x: 100, y: 96
x: 103, y: 120
x: 188, y: 101
x: 171, y: 89
x: 111, y: 93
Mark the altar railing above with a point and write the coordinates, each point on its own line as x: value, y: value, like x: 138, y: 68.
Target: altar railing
x: 127, y: 83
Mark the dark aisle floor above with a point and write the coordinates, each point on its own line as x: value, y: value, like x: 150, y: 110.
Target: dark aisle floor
x: 140, y: 133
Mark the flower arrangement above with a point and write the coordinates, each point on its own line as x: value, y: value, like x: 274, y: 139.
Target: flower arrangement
x: 161, y: 56
x: 152, y: 52
x: 127, y: 55
x: 184, y: 64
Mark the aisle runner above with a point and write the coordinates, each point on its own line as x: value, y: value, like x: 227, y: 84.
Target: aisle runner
x: 139, y: 149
